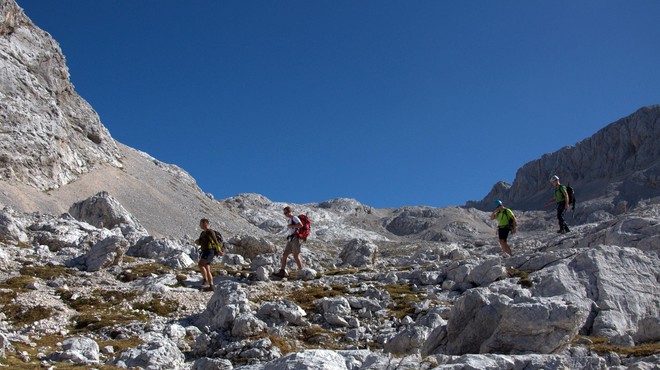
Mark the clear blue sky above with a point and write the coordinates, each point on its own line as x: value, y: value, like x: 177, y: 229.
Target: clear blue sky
x: 392, y: 103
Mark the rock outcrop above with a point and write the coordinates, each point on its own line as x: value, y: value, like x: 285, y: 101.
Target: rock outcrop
x: 620, y: 163
x: 50, y: 136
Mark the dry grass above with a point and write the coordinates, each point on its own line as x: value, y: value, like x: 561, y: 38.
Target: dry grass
x: 403, y: 295
x: 20, y: 316
x: 48, y: 272
x: 136, y: 272
x: 602, y: 346
x: 306, y: 296
x: 523, y: 276
x: 17, y: 283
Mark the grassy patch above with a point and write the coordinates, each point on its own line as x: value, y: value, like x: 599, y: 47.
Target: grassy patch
x: 306, y: 296
x: 143, y: 270
x: 159, y: 307
x: 403, y: 295
x: 316, y: 336
x: 121, y: 345
x: 102, y: 309
x: 17, y: 283
x: 523, y: 276
x: 20, y: 316
x: 602, y: 346
x: 286, y: 345
x: 47, y: 272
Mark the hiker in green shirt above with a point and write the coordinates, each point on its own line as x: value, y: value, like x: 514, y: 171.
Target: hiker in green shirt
x: 506, y: 222
x: 206, y: 241
x: 559, y: 197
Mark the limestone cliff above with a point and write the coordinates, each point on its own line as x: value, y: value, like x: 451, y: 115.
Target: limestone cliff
x: 620, y: 163
x: 49, y: 135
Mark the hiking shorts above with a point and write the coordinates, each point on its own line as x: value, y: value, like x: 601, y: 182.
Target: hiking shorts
x: 293, y: 246
x: 207, y: 254
x: 503, y: 232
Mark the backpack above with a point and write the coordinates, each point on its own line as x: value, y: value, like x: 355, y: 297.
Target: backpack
x: 509, y: 223
x: 303, y: 232
x: 571, y: 195
x: 217, y: 247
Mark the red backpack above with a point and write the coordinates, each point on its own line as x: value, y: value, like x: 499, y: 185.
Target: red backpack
x: 304, y: 231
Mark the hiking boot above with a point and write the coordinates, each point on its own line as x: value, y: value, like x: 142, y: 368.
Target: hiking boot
x: 281, y: 273
x: 566, y: 230
x: 210, y: 288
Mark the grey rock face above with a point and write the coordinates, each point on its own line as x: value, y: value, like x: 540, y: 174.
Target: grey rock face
x: 359, y: 253
x: 50, y: 135
x: 79, y: 350
x: 158, y: 352
x: 227, y: 303
x: 624, y: 154
x: 319, y: 359
x: 102, y: 210
x: 9, y: 229
x: 108, y: 252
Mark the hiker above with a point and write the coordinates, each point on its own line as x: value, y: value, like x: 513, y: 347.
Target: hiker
x: 207, y: 239
x: 560, y: 197
x: 506, y: 222
x: 293, y: 242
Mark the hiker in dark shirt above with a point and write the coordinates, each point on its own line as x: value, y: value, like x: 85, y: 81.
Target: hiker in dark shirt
x: 559, y: 197
x: 206, y: 241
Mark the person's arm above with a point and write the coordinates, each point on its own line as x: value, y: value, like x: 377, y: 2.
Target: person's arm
x: 493, y: 215
x: 295, y: 225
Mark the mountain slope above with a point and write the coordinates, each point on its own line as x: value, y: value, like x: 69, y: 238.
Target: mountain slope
x: 620, y: 164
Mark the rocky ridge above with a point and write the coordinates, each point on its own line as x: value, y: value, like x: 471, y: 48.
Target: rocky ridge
x: 613, y: 169
x: 111, y: 282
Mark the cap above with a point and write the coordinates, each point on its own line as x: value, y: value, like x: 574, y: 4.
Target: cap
x: 554, y: 178
x: 498, y: 203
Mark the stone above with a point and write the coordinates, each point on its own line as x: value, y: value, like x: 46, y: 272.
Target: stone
x: 359, y: 253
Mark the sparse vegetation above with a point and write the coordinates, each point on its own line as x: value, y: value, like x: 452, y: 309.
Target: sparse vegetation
x: 21, y: 316
x: 143, y: 270
x: 306, y: 296
x: 403, y: 296
x: 47, y: 272
x: 158, y: 306
x: 602, y: 346
x: 17, y: 283
x: 523, y: 276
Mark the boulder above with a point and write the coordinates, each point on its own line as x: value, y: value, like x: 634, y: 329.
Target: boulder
x: 108, y: 252
x: 10, y: 229
x: 319, y: 359
x: 104, y: 211
x: 359, y: 253
x: 283, y: 311
x: 157, y: 352
x: 227, y: 303
x: 250, y: 246
x: 78, y: 350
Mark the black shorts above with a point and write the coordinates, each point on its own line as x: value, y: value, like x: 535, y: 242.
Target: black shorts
x: 207, y: 254
x: 503, y: 232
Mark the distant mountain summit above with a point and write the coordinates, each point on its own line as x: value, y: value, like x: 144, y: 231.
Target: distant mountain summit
x: 49, y: 134
x: 616, y: 167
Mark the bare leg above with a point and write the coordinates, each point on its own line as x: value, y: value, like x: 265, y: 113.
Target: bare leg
x: 285, y: 256
x: 296, y: 257
x: 505, y: 247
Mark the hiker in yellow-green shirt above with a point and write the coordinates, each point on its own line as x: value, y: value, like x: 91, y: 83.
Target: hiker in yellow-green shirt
x: 506, y: 222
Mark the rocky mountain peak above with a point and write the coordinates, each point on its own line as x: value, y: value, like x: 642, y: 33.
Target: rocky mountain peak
x: 50, y: 135
x: 620, y: 163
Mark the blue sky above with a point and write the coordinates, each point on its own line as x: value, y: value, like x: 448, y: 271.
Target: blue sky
x: 392, y: 103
